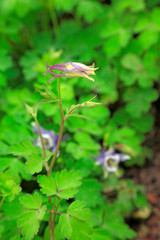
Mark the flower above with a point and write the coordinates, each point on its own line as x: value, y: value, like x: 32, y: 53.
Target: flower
x: 110, y: 159
x: 71, y: 70
x: 50, y: 139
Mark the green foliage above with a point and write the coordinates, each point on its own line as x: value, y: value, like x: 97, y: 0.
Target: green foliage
x: 34, y: 162
x: 30, y: 219
x: 23, y: 149
x: 122, y: 38
x: 47, y: 184
x: 8, y: 186
x: 63, y: 185
x: 90, y: 187
x: 76, y: 223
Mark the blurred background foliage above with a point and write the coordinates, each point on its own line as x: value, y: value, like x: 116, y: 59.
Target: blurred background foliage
x: 122, y: 38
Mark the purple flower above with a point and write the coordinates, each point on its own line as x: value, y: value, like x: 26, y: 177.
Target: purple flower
x: 110, y: 159
x: 71, y: 70
x: 50, y: 139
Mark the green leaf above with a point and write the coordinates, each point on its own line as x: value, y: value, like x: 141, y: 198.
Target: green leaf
x: 81, y: 230
x: 90, y: 187
x: 131, y: 61
x: 31, y: 201
x: 5, y: 61
x: 47, y: 184
x: 12, y: 209
x: 139, y: 100
x: 34, y: 164
x: 29, y: 223
x: 122, y: 230
x: 8, y: 186
x: 101, y: 234
x: 30, y: 219
x: 3, y: 147
x: 65, y: 226
x: 85, y: 141
x: 112, y: 46
x: 65, y: 180
x: 23, y: 149
x: 94, y: 9
x: 75, y: 225
x: 77, y: 210
x: 68, y: 193
x: 17, y: 169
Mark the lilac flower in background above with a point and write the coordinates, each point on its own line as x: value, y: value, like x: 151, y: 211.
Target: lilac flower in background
x: 110, y: 159
x: 50, y: 139
x: 71, y: 70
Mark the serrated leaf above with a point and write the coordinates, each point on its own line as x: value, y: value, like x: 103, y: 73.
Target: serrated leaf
x: 29, y: 220
x: 75, y: 225
x: 90, y: 187
x: 77, y: 210
x: 8, y: 186
x: 23, y: 149
x: 31, y: 201
x: 29, y: 223
x: 122, y: 230
x: 65, y: 226
x: 68, y: 193
x: 47, y: 184
x: 81, y: 230
x: 65, y: 180
x: 34, y: 164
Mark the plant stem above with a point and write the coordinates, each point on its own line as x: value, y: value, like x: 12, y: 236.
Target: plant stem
x: 61, y: 129
x: 42, y: 143
x: 51, y: 225
x: 55, y: 212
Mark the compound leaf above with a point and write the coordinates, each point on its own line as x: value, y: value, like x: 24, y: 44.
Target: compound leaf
x: 23, y: 149
x: 65, y: 226
x: 77, y: 210
x: 31, y: 201
x: 47, y: 184
x: 34, y: 164
x: 65, y: 180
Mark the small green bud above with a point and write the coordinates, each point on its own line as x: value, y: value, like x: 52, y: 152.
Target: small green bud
x: 90, y: 104
x: 32, y: 111
x: 45, y: 95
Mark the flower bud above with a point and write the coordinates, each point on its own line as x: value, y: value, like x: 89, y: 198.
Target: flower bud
x: 32, y: 111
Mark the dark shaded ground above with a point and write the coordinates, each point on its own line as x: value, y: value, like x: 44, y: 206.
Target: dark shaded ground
x: 149, y: 175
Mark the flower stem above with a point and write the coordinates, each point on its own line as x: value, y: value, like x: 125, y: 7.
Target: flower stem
x: 52, y: 224
x: 42, y: 143
x: 55, y: 212
x: 61, y: 129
